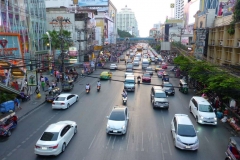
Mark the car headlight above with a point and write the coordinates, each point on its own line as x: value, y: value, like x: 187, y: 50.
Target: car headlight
x: 215, y: 118
x: 108, y: 126
x: 123, y: 127
x: 201, y: 117
x: 178, y: 139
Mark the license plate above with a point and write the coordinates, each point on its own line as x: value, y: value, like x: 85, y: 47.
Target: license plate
x: 188, y: 147
x: 115, y: 131
x: 44, y: 148
x: 161, y: 106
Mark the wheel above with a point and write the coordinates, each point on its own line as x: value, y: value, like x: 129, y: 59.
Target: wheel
x: 75, y: 130
x: 63, y: 147
x: 68, y: 106
x: 77, y: 99
x: 9, y: 133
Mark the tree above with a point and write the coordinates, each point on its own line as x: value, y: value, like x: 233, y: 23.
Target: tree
x: 124, y: 34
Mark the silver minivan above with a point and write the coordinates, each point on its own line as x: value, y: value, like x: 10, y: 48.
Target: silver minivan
x: 145, y: 63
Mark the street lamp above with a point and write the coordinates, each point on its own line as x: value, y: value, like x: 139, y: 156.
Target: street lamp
x: 50, y: 53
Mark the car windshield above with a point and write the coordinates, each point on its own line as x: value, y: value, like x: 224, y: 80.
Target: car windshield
x: 186, y: 130
x: 49, y: 136
x: 129, y: 70
x: 205, y: 108
x: 167, y: 85
x: 149, y: 69
x: 60, y: 99
x: 127, y: 81
x: 160, y: 95
x: 146, y: 75
x: 117, y: 116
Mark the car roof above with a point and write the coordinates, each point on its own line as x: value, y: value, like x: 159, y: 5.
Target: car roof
x: 129, y: 78
x: 157, y: 87
x: 118, y: 109
x: 183, y: 119
x: 159, y: 91
x: 55, y: 127
x: 64, y: 95
x: 201, y: 100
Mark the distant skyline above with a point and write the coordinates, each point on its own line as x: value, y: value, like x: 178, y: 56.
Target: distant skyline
x: 148, y: 13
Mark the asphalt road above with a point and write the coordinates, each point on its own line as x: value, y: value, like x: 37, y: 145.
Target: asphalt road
x: 148, y: 136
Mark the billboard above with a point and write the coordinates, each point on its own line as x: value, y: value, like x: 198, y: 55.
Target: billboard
x: 226, y: 8
x: 92, y: 3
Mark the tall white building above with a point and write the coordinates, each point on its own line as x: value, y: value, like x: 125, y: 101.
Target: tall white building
x: 126, y: 21
x: 179, y: 8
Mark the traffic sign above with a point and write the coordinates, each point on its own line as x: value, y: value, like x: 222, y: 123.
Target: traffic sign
x: 172, y: 5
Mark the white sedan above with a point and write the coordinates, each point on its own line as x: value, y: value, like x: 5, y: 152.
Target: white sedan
x: 113, y: 66
x: 55, y: 138
x: 64, y: 101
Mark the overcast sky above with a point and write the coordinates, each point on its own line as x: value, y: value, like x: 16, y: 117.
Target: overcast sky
x: 147, y: 12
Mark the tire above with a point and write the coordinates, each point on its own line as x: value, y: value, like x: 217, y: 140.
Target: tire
x: 77, y: 99
x: 63, y: 147
x: 75, y: 130
x: 9, y: 133
x: 68, y: 105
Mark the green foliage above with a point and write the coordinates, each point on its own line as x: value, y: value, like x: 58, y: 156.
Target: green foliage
x: 158, y: 48
x: 182, y: 62
x: 231, y: 29
x: 179, y: 45
x: 235, y: 19
x: 124, y: 34
x: 55, y: 40
x: 6, y: 97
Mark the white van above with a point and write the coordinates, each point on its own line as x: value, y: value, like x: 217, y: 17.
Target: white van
x: 202, y: 111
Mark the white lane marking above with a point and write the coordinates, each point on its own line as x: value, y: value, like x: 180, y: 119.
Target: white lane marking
x: 92, y: 141
x: 150, y: 138
x: 142, y: 142
x: 162, y: 152
x: 14, y: 150
x: 137, y: 143
x: 4, y: 158
x: 18, y: 146
x: 169, y: 146
x: 206, y: 139
x: 113, y: 142
x: 108, y: 142
x: 128, y: 141
x: 163, y: 122
x: 23, y: 142
x: 9, y: 154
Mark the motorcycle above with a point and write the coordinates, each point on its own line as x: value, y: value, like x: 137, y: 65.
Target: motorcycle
x: 124, y: 99
x: 98, y: 88
x: 139, y: 81
x: 87, y: 91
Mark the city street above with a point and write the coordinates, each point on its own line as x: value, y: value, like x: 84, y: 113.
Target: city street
x: 148, y: 136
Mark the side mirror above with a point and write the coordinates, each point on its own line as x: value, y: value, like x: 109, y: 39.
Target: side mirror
x: 107, y: 117
x: 127, y: 118
x: 173, y: 130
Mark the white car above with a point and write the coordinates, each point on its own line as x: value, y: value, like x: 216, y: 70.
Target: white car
x: 202, y: 111
x: 136, y: 62
x: 55, y: 138
x: 113, y: 66
x: 183, y: 132
x: 118, y: 121
x: 64, y: 101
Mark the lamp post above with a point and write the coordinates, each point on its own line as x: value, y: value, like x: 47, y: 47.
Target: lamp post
x: 50, y: 53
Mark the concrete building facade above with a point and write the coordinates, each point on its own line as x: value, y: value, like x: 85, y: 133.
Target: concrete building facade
x: 127, y: 21
x: 179, y: 9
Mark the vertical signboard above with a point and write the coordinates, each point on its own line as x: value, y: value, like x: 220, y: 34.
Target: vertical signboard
x: 73, y: 54
x: 31, y: 78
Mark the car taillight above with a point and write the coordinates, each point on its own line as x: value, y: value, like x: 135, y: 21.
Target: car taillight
x: 53, y: 103
x: 54, y: 147
x: 37, y: 146
x: 62, y: 103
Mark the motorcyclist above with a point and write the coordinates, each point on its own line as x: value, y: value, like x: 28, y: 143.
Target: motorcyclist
x: 87, y: 87
x: 139, y: 78
x: 124, y: 94
x: 98, y: 84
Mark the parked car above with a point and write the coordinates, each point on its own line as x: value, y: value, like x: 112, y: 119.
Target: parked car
x: 118, y: 120
x: 184, y: 133
x: 64, y: 101
x: 55, y: 138
x: 113, y: 66
x: 202, y: 111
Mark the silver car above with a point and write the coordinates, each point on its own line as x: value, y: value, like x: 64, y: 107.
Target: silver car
x: 118, y: 120
x: 136, y: 62
x: 113, y: 66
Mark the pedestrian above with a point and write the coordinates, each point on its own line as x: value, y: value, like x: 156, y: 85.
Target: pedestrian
x: 82, y: 72
x: 17, y: 103
x: 43, y: 85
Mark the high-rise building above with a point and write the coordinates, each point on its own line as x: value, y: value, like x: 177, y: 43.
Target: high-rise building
x: 126, y: 21
x: 179, y: 8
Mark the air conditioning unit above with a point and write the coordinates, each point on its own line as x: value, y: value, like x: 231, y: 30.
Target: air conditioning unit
x: 238, y: 44
x: 221, y: 43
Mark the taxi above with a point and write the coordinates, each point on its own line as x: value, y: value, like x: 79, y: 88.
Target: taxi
x: 158, y: 67
x: 106, y: 75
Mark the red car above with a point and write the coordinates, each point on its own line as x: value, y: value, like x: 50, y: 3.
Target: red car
x: 146, y: 77
x: 164, y: 65
x: 160, y: 73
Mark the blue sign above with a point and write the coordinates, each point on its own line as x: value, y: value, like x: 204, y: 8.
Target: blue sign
x: 92, y: 3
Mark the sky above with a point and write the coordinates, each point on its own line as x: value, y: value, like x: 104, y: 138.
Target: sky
x: 147, y: 12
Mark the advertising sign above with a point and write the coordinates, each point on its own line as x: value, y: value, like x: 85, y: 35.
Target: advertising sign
x: 92, y: 3
x: 72, y: 54
x: 226, y: 8
x: 31, y: 78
